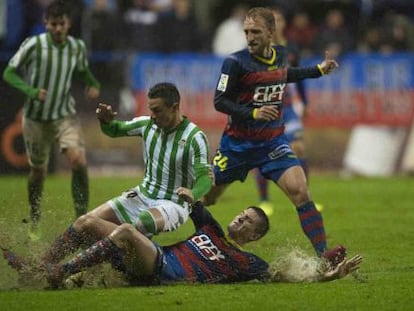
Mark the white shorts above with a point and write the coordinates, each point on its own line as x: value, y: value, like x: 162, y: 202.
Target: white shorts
x: 40, y: 136
x: 131, y: 203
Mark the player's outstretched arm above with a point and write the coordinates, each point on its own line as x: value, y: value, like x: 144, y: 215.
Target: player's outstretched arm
x: 296, y: 74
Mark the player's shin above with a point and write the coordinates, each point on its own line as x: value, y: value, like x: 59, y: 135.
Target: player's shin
x: 64, y: 245
x: 80, y: 190
x: 312, y: 225
x: 102, y: 251
x: 35, y: 189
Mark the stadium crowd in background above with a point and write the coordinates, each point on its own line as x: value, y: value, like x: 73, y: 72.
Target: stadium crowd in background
x: 48, y: 62
x: 115, y: 30
x: 311, y: 26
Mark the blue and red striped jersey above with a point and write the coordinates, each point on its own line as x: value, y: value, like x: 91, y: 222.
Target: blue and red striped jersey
x: 251, y: 82
x: 208, y: 256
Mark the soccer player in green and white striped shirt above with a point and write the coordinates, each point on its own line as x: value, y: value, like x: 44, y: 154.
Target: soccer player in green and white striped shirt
x: 177, y: 172
x: 43, y: 69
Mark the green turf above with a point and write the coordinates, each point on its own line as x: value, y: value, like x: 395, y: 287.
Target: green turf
x: 373, y: 217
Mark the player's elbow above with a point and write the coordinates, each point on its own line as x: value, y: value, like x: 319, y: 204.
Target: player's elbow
x: 220, y: 106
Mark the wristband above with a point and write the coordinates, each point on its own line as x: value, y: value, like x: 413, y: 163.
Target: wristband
x: 255, y: 112
x: 320, y: 69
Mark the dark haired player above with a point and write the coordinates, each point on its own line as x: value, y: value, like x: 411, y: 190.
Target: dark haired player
x: 49, y: 62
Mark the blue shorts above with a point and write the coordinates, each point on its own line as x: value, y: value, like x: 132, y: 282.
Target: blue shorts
x: 293, y: 124
x: 235, y: 158
x: 168, y: 269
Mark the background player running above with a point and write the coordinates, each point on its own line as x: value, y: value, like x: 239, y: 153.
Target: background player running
x: 49, y: 62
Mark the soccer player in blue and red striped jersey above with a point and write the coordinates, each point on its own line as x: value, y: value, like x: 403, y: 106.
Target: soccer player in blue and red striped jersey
x: 207, y: 256
x: 250, y: 91
x: 294, y: 108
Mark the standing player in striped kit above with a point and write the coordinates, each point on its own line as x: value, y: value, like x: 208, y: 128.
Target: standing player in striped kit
x: 292, y: 117
x: 48, y: 62
x: 177, y: 172
x: 250, y: 91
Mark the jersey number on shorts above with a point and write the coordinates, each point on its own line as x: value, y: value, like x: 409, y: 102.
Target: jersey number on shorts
x: 220, y: 161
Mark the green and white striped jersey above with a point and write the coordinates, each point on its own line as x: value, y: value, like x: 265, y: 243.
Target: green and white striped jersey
x: 173, y: 159
x: 50, y: 66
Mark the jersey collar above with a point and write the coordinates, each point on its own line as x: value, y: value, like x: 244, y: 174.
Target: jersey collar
x: 182, y: 124
x: 51, y: 42
x: 267, y: 61
x: 233, y: 242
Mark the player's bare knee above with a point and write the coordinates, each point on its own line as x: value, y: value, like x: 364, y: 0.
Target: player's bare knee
x: 38, y: 173
x: 76, y: 158
x: 125, y: 229
x: 302, y: 198
x: 123, y: 232
x: 84, y: 222
x: 299, y: 195
x: 77, y: 163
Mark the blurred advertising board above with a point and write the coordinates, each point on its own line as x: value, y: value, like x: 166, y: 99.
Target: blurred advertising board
x: 12, y: 154
x: 367, y: 89
x: 195, y: 76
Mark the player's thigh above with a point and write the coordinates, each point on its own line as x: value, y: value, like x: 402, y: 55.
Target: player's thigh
x: 93, y: 227
x: 140, y: 252
x: 277, y: 158
x: 132, y: 204
x: 293, y: 183
x: 38, y: 140
x: 105, y: 212
x: 71, y: 139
